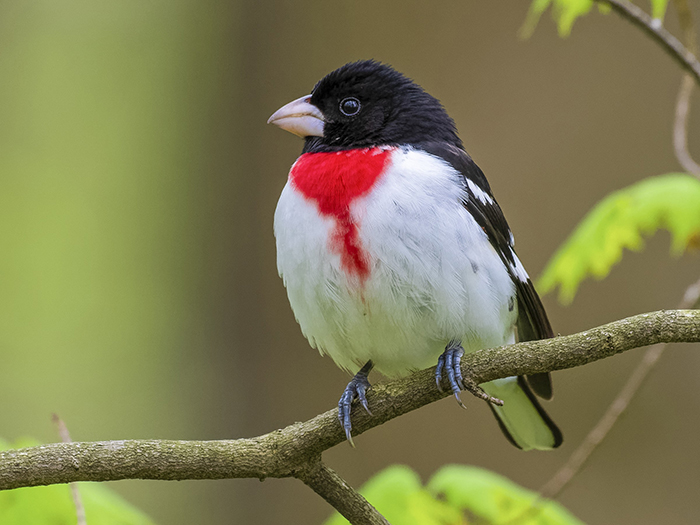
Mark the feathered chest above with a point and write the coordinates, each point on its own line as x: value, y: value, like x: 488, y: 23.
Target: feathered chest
x: 386, y: 255
x: 332, y: 183
x: 353, y: 216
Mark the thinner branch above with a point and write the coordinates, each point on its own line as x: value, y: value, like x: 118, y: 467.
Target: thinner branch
x: 656, y: 31
x: 565, y: 474
x: 74, y: 490
x: 325, y: 482
x: 680, y: 125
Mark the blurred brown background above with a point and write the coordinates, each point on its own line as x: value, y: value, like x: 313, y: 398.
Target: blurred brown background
x: 138, y: 180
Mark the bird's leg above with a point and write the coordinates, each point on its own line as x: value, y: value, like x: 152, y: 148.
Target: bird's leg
x: 448, y: 363
x: 356, y: 388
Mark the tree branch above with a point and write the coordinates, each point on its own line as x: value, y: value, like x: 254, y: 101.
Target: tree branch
x: 343, y: 498
x: 680, y: 126
x: 287, y: 452
x: 658, y: 33
x: 75, y: 492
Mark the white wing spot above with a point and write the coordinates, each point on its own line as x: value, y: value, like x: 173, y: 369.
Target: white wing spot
x: 519, y: 270
x: 480, y: 194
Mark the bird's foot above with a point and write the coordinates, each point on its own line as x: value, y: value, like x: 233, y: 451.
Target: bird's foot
x: 448, y: 364
x: 357, y: 388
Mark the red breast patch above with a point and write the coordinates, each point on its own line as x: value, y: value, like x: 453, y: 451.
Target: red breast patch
x: 333, y: 181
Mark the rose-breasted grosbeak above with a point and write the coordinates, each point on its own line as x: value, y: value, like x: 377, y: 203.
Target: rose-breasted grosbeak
x: 394, y: 251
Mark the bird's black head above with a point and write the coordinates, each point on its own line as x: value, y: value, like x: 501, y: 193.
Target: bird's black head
x: 365, y: 104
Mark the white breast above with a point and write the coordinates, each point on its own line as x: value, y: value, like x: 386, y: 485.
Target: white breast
x: 434, y: 276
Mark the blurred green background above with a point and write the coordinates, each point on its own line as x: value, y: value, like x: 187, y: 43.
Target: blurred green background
x: 139, y: 296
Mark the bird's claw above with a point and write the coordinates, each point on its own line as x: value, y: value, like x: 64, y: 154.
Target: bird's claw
x: 449, y: 363
x: 357, y: 388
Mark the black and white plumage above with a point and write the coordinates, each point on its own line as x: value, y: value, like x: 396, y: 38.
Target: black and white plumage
x: 394, y: 252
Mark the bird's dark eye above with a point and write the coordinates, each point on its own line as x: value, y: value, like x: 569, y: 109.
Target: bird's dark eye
x: 349, y: 106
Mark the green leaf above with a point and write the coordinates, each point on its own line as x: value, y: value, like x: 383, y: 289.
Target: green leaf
x: 496, y: 499
x: 658, y: 9
x: 54, y: 504
x: 453, y: 496
x: 537, y: 7
x: 397, y: 493
x: 565, y: 13
x: 619, y: 221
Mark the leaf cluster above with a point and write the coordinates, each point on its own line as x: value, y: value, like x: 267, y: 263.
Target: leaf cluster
x: 566, y: 12
x: 456, y: 495
x: 620, y: 221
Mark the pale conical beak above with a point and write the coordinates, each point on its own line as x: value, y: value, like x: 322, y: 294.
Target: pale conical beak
x: 299, y: 117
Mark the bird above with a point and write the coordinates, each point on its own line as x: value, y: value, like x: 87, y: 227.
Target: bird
x: 394, y: 252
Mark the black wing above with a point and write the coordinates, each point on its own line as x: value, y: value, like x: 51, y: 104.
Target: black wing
x: 532, y: 320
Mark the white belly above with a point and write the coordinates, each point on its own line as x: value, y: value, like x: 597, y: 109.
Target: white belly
x: 433, y: 276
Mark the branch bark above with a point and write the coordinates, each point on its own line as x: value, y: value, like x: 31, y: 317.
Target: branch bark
x: 287, y: 452
x: 342, y: 497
